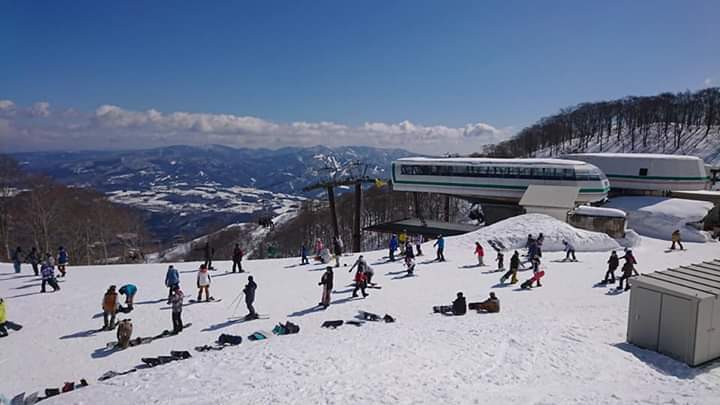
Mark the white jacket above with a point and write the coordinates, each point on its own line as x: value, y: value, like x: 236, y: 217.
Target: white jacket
x: 203, y: 278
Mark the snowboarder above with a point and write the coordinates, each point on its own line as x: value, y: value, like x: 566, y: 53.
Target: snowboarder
x: 392, y: 247
x: 129, y: 291
x: 539, y: 244
x: 458, y: 307
x: 418, y: 244
x: 176, y: 300
x: 569, y: 252
x: 237, y: 258
x: 325, y: 256
x: 360, y: 282
x: 440, y: 244
x: 203, y: 282
x: 34, y: 259
x: 480, y: 253
x: 249, y: 291
x: 47, y: 272
x: 500, y: 259
x: 627, y: 271
x: 536, y: 270
x: 613, y: 263
x: 109, y: 307
x: 62, y: 260
x: 629, y: 257
x: 172, y: 280
x: 4, y: 323
x: 360, y: 263
x: 124, y: 333
x: 529, y: 282
x: 676, y: 239
x: 208, y: 252
x: 514, y: 266
x: 326, y: 281
x: 409, y: 254
x: 491, y: 305
x: 369, y: 273
x: 16, y: 258
x: 303, y: 255
x: 337, y: 247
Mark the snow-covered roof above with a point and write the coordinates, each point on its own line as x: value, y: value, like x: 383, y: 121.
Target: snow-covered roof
x: 467, y: 160
x: 599, y: 212
x: 633, y: 156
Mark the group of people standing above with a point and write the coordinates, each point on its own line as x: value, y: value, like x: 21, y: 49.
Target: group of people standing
x: 36, y: 260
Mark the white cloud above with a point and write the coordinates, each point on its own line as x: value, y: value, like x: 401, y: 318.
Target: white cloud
x: 111, y: 126
x: 709, y: 81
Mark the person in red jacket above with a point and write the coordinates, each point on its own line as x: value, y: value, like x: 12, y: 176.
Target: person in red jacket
x: 480, y: 252
x: 360, y: 283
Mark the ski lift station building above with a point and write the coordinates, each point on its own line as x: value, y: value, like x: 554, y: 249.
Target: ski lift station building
x: 677, y: 312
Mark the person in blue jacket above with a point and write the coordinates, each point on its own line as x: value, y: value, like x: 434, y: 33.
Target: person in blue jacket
x: 62, y: 260
x: 440, y: 244
x: 17, y: 259
x: 129, y: 291
x: 304, y: 253
x: 392, y: 246
x: 172, y: 280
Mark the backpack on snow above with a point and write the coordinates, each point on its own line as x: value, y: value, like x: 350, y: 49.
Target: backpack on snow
x: 232, y: 340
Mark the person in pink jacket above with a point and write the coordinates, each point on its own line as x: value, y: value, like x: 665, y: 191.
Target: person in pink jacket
x: 480, y: 252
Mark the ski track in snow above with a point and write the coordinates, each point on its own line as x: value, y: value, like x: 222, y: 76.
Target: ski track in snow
x: 562, y: 343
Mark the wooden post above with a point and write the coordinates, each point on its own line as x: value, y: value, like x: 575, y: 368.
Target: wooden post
x: 356, y: 236
x: 446, y: 213
x: 333, y: 213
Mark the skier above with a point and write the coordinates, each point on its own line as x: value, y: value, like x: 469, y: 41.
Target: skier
x: 627, y: 271
x: 62, y: 260
x: 480, y: 252
x: 172, y: 280
x: 360, y: 282
x: 337, y: 247
x: 237, y: 258
x: 176, y: 300
x: 47, y: 272
x: 539, y: 244
x: 440, y: 243
x: 613, y: 263
x: 418, y: 244
x: 458, y: 307
x: 34, y: 259
x: 4, y: 323
x: 208, y: 253
x: 326, y: 281
x: 17, y: 259
x: 410, y: 264
x: 569, y: 252
x: 303, y: 255
x: 203, y: 283
x: 676, y: 239
x: 392, y: 247
x: 318, y: 247
x: 500, y: 259
x: 249, y: 291
x: 129, y: 291
x: 514, y: 265
x: 109, y: 307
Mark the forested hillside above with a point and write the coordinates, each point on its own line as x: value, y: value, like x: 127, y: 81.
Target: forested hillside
x: 681, y: 123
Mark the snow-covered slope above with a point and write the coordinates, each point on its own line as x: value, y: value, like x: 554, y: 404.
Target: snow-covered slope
x: 563, y: 343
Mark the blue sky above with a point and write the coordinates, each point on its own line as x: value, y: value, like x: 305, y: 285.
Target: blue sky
x: 429, y: 64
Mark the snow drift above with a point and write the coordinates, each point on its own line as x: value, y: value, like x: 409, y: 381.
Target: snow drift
x: 513, y: 232
x: 658, y: 217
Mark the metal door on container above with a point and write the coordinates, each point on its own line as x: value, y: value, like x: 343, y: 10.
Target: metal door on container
x: 644, y: 318
x: 677, y: 329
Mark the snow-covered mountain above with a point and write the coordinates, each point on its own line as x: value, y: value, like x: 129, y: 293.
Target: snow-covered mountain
x: 184, y: 188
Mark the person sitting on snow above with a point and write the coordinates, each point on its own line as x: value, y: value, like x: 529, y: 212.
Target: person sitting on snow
x: 458, y: 307
x: 492, y: 304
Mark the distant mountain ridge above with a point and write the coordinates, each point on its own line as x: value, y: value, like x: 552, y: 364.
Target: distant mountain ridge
x: 185, y: 189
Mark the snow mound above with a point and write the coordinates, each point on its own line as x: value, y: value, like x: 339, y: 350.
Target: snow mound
x: 658, y: 217
x: 513, y: 232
